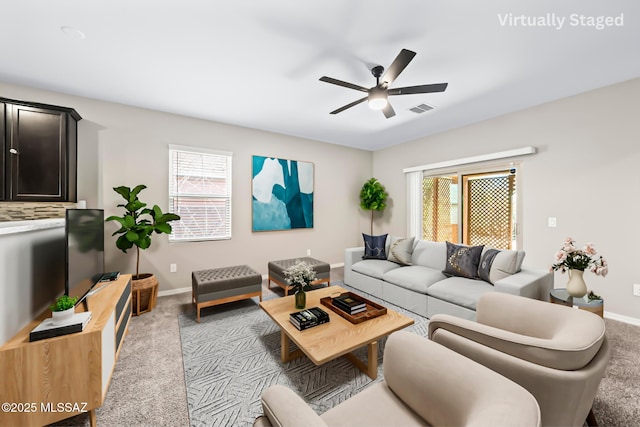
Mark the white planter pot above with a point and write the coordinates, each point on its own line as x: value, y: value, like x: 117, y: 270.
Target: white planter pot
x: 576, y: 287
x: 60, y: 317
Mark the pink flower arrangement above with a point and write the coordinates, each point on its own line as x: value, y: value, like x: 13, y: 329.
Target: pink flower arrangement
x: 569, y: 257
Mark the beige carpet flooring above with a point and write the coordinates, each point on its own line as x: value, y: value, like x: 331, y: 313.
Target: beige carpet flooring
x: 148, y: 389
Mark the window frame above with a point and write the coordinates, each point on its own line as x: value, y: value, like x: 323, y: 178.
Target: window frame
x: 210, y: 196
x: 480, y: 169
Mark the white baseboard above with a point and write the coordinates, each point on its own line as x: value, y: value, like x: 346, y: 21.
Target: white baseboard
x: 622, y: 318
x: 174, y: 292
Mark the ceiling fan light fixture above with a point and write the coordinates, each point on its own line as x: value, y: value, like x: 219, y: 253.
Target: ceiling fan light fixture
x: 378, y: 94
x: 378, y: 99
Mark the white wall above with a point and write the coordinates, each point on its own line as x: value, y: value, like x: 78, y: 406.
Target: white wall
x: 585, y: 174
x: 122, y: 145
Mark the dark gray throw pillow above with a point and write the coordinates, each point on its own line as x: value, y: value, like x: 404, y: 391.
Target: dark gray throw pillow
x: 462, y: 260
x: 484, y: 269
x: 374, y: 246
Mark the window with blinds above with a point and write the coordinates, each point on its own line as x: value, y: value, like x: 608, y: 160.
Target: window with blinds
x: 200, y: 192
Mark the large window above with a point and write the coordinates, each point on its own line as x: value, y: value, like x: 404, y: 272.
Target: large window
x: 474, y: 208
x: 472, y: 200
x: 200, y: 192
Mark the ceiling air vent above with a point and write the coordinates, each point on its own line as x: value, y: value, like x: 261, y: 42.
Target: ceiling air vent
x: 421, y: 108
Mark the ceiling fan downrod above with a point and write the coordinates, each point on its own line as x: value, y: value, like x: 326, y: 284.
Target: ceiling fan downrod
x: 377, y: 73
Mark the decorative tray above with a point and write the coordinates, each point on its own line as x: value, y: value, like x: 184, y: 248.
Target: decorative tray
x: 373, y: 309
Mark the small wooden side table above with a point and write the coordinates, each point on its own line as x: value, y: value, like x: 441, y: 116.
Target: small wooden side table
x: 561, y: 296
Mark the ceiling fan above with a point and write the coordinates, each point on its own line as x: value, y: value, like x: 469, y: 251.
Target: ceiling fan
x: 377, y: 95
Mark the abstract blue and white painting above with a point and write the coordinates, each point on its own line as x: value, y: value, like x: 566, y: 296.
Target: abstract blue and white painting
x: 282, y: 196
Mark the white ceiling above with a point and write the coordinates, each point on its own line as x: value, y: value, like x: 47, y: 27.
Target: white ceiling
x: 257, y: 63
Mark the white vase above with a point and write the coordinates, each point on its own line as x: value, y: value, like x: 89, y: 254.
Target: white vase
x: 60, y: 317
x: 576, y: 286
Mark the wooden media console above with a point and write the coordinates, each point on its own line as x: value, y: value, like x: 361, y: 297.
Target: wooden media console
x: 56, y: 378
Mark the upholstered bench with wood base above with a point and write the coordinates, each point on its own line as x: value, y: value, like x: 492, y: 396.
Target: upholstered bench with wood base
x: 277, y: 268
x: 222, y: 285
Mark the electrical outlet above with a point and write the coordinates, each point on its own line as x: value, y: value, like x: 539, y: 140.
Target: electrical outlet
x: 308, y: 252
x: 173, y: 268
x: 552, y: 222
x: 636, y: 289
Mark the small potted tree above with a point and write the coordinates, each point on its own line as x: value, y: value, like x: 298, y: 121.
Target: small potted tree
x: 137, y: 225
x: 373, y: 197
x: 63, y: 309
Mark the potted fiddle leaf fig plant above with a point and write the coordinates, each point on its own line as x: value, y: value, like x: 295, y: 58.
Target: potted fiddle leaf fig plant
x: 137, y: 225
x: 373, y: 197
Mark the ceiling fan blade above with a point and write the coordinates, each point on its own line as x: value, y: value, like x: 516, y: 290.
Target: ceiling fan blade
x: 388, y: 111
x: 354, y: 103
x: 400, y: 63
x: 343, y: 84
x: 438, y: 87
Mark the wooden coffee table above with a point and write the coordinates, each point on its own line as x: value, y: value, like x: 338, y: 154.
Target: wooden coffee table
x: 338, y: 337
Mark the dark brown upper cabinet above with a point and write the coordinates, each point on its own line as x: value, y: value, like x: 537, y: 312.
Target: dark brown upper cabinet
x: 39, y: 152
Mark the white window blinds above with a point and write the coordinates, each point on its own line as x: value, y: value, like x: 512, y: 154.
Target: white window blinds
x: 200, y: 192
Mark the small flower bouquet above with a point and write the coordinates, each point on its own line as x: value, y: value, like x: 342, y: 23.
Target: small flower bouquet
x: 299, y: 276
x: 569, y: 257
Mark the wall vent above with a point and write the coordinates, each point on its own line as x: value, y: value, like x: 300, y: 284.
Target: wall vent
x: 418, y: 109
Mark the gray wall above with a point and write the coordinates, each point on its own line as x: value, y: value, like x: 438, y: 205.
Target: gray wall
x: 585, y: 174
x: 122, y: 145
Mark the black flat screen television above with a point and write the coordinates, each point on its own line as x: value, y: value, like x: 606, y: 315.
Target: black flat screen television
x: 84, y: 230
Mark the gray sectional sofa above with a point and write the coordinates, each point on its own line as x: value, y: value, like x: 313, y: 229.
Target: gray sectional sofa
x: 423, y: 288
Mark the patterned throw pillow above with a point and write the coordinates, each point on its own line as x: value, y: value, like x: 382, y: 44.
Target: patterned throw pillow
x: 462, y: 260
x: 484, y: 269
x: 400, y: 251
x: 374, y: 246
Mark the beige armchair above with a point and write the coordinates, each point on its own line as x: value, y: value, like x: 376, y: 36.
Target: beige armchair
x: 424, y: 384
x: 557, y: 353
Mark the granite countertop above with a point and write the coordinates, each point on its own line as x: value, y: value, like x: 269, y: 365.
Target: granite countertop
x: 13, y: 227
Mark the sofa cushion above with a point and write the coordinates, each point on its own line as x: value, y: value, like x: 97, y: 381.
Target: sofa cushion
x: 430, y: 254
x: 460, y: 291
x: 400, y: 251
x: 374, y: 267
x: 506, y: 263
x: 463, y: 260
x: 415, y: 277
x: 496, y: 264
x: 374, y: 246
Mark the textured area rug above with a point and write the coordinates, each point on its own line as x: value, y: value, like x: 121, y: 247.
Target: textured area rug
x: 234, y: 354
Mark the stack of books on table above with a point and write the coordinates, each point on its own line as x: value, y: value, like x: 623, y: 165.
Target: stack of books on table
x: 349, y: 304
x: 308, y: 318
x: 47, y: 329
